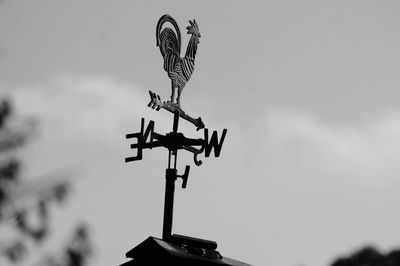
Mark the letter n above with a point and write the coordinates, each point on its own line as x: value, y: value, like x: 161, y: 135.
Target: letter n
x: 141, y: 140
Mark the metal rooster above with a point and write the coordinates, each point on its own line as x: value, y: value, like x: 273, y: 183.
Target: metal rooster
x: 179, y: 69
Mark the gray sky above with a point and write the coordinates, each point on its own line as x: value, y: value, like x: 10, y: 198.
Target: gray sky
x: 308, y: 91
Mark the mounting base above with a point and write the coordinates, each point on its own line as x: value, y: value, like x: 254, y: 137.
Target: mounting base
x: 154, y: 251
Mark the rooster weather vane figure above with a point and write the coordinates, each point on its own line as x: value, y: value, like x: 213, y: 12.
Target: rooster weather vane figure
x: 175, y: 249
x: 179, y: 69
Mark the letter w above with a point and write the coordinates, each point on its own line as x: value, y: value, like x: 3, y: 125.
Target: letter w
x: 213, y: 142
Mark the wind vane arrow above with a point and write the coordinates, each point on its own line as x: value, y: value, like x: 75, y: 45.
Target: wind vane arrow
x: 157, y: 104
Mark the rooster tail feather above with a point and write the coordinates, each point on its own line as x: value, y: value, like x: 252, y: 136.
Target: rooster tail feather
x: 161, y: 21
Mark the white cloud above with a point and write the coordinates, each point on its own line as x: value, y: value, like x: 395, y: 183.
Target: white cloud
x: 92, y: 107
x: 362, y: 154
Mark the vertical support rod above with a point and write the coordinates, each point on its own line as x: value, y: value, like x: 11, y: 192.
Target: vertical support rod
x: 170, y: 176
x: 176, y: 121
x: 169, y: 159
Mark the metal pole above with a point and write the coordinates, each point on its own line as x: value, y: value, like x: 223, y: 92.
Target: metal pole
x: 170, y: 176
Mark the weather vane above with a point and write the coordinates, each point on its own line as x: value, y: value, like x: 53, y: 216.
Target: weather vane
x: 173, y: 248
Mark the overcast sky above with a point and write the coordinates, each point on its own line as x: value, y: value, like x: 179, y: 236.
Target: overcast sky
x: 308, y: 90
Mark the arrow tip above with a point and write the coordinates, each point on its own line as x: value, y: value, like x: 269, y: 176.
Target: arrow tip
x: 200, y: 124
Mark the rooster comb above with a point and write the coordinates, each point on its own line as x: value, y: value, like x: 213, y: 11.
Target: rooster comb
x: 193, y: 28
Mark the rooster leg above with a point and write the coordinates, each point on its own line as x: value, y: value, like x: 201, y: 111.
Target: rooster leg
x: 173, y: 93
x: 179, y: 96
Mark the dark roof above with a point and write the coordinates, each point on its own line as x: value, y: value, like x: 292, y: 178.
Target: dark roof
x: 154, y: 251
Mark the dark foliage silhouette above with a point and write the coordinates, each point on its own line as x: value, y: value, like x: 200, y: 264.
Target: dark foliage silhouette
x: 25, y: 206
x: 369, y: 256
x: 79, y: 248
